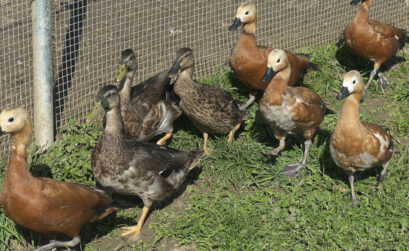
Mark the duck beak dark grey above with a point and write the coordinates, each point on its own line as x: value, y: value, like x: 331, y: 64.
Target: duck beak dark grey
x: 269, y: 74
x: 354, y: 2
x: 1, y: 131
x: 343, y: 94
x: 175, y: 67
x: 236, y: 24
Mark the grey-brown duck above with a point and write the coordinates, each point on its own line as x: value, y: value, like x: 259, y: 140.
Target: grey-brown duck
x: 149, y: 108
x: 150, y: 171
x: 210, y: 108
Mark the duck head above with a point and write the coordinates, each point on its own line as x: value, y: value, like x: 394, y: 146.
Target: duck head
x: 14, y: 120
x: 246, y: 14
x: 107, y: 98
x: 127, y: 66
x: 353, y: 83
x: 184, y: 60
x: 277, y: 61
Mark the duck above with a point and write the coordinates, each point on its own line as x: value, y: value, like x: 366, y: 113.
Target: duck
x: 149, y: 171
x: 210, y: 108
x: 355, y: 145
x: 149, y: 108
x: 249, y: 60
x: 289, y: 110
x: 373, y: 40
x: 42, y: 204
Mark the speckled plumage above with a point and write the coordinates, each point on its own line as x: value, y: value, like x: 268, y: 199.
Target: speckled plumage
x: 147, y: 170
x: 210, y: 108
x: 149, y: 108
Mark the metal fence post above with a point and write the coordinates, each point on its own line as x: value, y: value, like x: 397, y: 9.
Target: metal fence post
x: 42, y: 73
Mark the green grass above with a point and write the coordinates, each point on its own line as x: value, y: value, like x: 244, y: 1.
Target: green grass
x: 237, y: 199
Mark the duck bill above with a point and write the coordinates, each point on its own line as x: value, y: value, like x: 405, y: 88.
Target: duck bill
x: 343, y: 94
x: 175, y: 67
x: 270, y: 73
x: 120, y: 73
x: 1, y: 132
x: 95, y: 111
x: 236, y: 24
x: 355, y: 2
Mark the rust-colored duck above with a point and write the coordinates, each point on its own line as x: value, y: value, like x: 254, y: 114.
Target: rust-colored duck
x: 289, y: 110
x: 373, y: 40
x: 41, y: 204
x: 249, y: 60
x: 354, y: 145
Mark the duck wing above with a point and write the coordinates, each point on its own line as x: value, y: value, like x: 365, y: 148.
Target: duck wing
x: 160, y: 159
x: 63, y: 201
x: 152, y: 90
x: 306, y: 106
x: 386, y: 30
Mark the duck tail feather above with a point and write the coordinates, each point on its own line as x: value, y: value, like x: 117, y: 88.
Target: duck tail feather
x: 194, y: 157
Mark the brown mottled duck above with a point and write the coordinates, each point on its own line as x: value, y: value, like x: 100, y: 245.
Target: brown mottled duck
x: 147, y: 109
x: 210, y: 108
x: 149, y: 171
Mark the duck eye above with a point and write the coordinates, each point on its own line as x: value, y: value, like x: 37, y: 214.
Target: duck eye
x: 354, y: 82
x: 246, y: 13
x: 11, y: 119
x: 278, y: 61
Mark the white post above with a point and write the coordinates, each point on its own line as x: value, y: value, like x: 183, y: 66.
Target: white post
x: 42, y: 73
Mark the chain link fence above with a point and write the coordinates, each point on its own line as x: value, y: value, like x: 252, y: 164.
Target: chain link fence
x: 89, y: 35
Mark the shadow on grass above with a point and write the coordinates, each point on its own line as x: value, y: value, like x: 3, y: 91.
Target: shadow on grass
x: 351, y: 61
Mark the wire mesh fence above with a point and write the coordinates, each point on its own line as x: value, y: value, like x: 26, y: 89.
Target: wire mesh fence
x: 89, y: 35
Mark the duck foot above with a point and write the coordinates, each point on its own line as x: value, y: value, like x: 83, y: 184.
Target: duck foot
x: 382, y: 82
x: 273, y: 152
x: 355, y: 202
x: 54, y: 244
x: 292, y: 170
x: 131, y: 233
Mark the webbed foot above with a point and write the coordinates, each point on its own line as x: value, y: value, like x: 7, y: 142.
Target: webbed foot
x: 382, y: 82
x: 292, y: 170
x: 354, y: 202
x: 131, y: 233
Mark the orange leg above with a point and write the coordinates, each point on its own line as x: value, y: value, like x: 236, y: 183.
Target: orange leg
x: 163, y: 140
x: 205, y: 136
x: 231, y: 133
x: 135, y: 230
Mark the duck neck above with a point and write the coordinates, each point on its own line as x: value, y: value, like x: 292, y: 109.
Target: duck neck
x: 17, y: 167
x: 187, y: 73
x: 114, y: 124
x: 125, y: 92
x: 362, y: 13
x: 183, y: 81
x: 250, y: 28
x: 273, y: 95
x: 349, y: 117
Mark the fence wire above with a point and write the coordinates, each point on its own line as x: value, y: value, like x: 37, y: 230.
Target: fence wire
x: 89, y: 35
